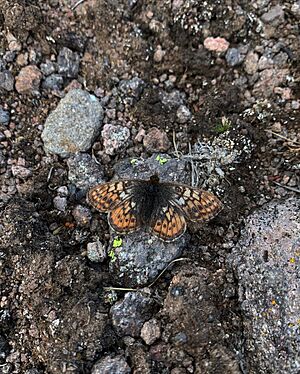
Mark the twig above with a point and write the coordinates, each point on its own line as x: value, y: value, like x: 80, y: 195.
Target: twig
x: 175, y: 144
x: 152, y: 283
x: 283, y: 137
x: 77, y: 4
x: 287, y: 187
x: 49, y: 174
x: 171, y: 263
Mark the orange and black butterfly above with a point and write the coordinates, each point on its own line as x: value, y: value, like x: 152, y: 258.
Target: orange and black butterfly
x: 162, y: 207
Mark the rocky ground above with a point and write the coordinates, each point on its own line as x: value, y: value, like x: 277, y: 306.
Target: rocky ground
x: 205, y: 93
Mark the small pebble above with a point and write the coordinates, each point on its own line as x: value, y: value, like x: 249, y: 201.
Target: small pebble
x: 156, y: 141
x: 82, y: 215
x: 150, y: 331
x: 158, y: 55
x: 6, y: 80
x: 21, y: 172
x: 53, y: 82
x: 60, y: 203
x: 96, y: 251
x: 183, y: 114
x: 68, y: 63
x: 216, y: 44
x: 234, y: 57
x: 28, y: 80
x: 115, y: 138
x: 4, y: 116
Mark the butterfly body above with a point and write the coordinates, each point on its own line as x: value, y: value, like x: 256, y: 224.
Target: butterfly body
x: 163, y: 208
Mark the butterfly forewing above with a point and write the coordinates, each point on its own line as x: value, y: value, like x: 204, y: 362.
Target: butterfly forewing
x: 105, y: 197
x: 169, y: 224
x: 124, y: 217
x: 164, y: 208
x: 196, y: 205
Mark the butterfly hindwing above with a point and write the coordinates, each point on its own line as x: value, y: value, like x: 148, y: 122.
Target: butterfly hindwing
x: 124, y: 218
x: 169, y: 224
x: 197, y: 205
x: 106, y: 196
x: 164, y: 208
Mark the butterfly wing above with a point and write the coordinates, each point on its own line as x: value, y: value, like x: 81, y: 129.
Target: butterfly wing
x: 106, y: 196
x: 168, y: 224
x: 124, y: 218
x: 197, y: 205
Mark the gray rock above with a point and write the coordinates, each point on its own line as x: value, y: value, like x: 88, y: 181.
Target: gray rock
x: 21, y: 172
x: 265, y: 63
x: 63, y: 191
x: 183, y: 114
x: 6, y: 80
x: 53, y: 82
x: 82, y: 215
x: 111, y: 365
x: 141, y: 256
x: 268, y: 80
x: 234, y: 57
x: 60, y: 203
x: 73, y: 125
x: 129, y: 315
x: 115, y: 138
x: 48, y: 67
x: 295, y: 9
x: 133, y: 87
x: 68, y: 63
x: 266, y: 265
x: 171, y: 99
x: 251, y: 63
x: 275, y: 15
x: 150, y: 331
x: 281, y: 59
x: 96, y: 251
x: 4, y: 116
x: 84, y: 172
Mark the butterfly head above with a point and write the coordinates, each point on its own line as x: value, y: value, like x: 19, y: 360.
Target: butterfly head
x: 154, y: 179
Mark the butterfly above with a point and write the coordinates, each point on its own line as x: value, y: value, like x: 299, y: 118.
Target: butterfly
x: 162, y: 207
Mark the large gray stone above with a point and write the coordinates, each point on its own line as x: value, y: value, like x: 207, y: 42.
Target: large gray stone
x: 266, y: 264
x: 73, y: 125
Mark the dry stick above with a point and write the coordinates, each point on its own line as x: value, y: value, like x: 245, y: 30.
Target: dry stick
x: 76, y: 5
x: 152, y: 283
x: 50, y: 174
x: 175, y: 144
x: 287, y: 187
x: 283, y: 137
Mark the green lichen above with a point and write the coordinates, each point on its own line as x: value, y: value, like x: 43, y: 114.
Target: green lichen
x: 161, y: 160
x: 117, y: 242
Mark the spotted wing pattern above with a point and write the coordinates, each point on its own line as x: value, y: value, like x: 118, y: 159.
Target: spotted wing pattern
x: 169, y: 224
x: 177, y: 205
x: 105, y: 197
x: 124, y: 218
x: 195, y: 204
